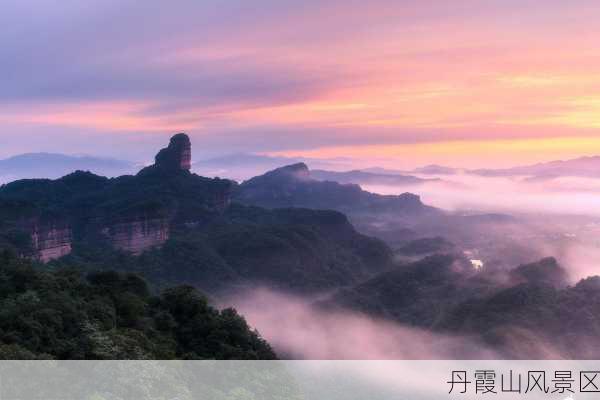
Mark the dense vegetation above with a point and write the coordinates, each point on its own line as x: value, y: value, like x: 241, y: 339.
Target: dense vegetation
x: 417, y: 294
x: 291, y: 249
x: 213, y: 245
x: 529, y: 311
x: 557, y: 322
x: 65, y: 314
x: 78, y: 307
x: 85, y: 198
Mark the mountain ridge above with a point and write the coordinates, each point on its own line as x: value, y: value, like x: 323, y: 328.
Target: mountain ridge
x: 186, y: 226
x: 56, y: 165
x: 293, y: 186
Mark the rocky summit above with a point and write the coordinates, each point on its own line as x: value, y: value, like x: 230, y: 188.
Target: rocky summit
x: 131, y: 213
x: 177, y: 156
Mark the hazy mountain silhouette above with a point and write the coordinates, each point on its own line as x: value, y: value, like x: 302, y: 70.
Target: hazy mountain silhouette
x: 53, y: 165
x: 588, y: 167
x: 294, y: 186
x: 435, y: 169
x: 241, y: 166
x: 367, y: 178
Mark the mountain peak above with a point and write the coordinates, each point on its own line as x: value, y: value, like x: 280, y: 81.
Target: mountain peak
x: 299, y: 170
x: 177, y: 156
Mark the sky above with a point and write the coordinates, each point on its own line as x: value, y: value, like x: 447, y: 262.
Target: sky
x: 394, y: 83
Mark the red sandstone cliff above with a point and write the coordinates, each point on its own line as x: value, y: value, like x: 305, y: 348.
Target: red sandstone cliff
x: 139, y: 235
x: 50, y: 241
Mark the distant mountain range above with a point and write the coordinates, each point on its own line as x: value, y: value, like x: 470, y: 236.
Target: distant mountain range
x: 368, y: 178
x: 242, y: 166
x: 295, y: 186
x: 586, y: 167
x: 432, y: 169
x: 52, y: 166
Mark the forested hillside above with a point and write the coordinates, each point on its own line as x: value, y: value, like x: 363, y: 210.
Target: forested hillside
x: 67, y: 314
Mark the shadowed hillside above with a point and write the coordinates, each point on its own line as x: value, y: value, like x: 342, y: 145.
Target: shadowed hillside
x: 176, y: 227
x: 294, y: 186
x: 64, y: 314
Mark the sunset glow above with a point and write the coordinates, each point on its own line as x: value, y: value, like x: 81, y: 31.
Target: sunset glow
x: 461, y: 82
x: 327, y: 180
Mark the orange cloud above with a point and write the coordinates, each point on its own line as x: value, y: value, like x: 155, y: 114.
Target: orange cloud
x: 463, y: 153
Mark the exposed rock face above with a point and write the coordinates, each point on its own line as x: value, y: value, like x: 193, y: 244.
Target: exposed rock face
x: 51, y: 241
x: 137, y: 236
x: 134, y: 212
x: 177, y: 156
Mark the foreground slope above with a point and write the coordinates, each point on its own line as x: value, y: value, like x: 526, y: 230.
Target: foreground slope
x: 63, y: 314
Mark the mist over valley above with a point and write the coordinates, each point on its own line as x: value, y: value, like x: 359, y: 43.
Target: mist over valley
x: 376, y: 264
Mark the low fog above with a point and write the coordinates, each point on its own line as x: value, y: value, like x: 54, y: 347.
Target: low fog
x: 299, y: 329
x: 556, y: 217
x: 531, y: 219
x: 459, y: 192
